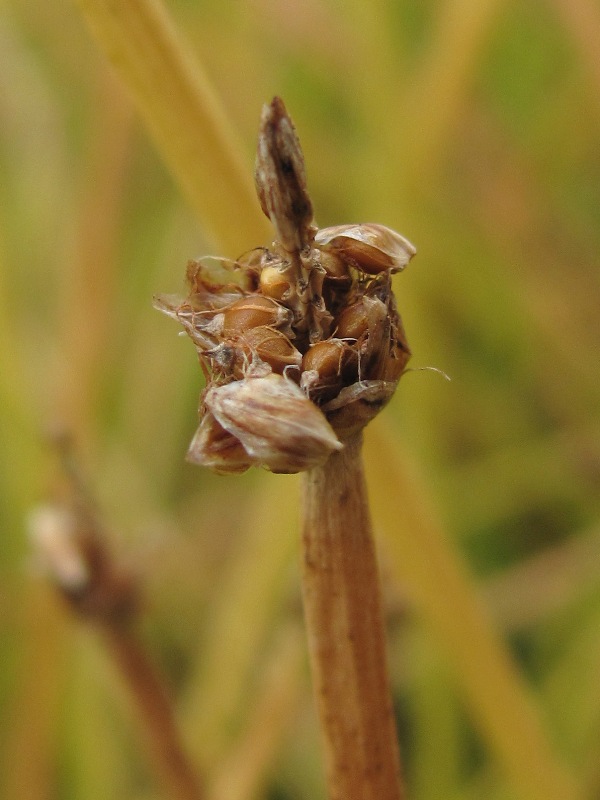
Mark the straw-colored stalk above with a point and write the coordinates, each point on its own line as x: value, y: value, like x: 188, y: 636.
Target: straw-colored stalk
x: 346, y: 632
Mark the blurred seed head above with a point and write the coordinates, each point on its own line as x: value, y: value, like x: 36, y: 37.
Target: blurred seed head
x: 73, y: 553
x: 53, y: 534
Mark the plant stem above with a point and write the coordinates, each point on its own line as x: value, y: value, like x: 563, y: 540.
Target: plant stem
x: 346, y: 632
x: 154, y: 709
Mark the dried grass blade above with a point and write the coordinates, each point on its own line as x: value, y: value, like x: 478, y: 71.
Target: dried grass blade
x: 183, y: 114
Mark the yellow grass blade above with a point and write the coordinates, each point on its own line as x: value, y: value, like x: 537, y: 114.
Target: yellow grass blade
x: 184, y: 116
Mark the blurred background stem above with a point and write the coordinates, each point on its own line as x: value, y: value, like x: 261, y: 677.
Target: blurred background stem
x: 167, y: 757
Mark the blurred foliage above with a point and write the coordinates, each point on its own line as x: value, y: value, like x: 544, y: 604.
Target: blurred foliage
x: 472, y: 128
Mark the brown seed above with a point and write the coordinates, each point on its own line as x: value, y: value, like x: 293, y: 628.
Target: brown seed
x: 251, y: 312
x: 331, y: 359
x: 324, y: 357
x: 370, y: 247
x: 271, y: 346
x: 274, y: 283
x: 396, y: 362
x: 356, y: 405
x: 353, y: 321
x: 333, y: 264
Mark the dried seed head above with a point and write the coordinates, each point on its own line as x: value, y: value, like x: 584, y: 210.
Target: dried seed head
x: 302, y: 340
x: 370, y: 247
x: 71, y: 549
x: 274, y: 421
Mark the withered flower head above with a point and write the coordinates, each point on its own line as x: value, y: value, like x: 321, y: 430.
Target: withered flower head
x: 304, y: 345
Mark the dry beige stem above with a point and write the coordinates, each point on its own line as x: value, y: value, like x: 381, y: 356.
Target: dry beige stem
x: 346, y: 633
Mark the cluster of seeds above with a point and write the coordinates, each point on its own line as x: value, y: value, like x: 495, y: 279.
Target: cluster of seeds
x: 302, y: 343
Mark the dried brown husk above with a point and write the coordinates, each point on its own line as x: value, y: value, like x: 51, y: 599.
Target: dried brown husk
x: 214, y: 447
x: 275, y: 422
